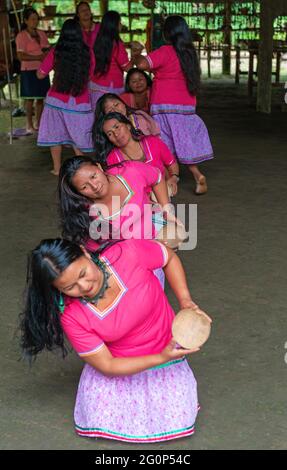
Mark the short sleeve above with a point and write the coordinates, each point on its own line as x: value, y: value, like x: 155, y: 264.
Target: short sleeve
x: 77, y: 329
x: 121, y: 55
x: 150, y: 254
x: 151, y: 174
x: 21, y: 42
x: 155, y: 58
x: 48, y: 63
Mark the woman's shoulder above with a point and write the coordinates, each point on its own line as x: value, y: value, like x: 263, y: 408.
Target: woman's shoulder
x: 75, y: 312
x: 22, y: 34
x: 128, y: 169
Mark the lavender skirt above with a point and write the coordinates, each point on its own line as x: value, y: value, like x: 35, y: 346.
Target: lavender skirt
x: 156, y: 405
x: 184, y: 132
x: 66, y: 124
x: 96, y: 91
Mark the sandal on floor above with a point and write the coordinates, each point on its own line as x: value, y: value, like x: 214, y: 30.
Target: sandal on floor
x: 201, y: 186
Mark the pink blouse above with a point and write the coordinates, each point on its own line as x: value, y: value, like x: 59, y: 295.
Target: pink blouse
x: 134, y: 219
x: 138, y: 322
x: 114, y: 76
x: 90, y: 36
x: 169, y: 84
x: 48, y: 64
x: 155, y: 150
x: 25, y: 43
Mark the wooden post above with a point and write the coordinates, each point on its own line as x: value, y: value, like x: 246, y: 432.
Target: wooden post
x: 226, y: 53
x: 250, y: 74
x: 104, y: 6
x: 278, y: 64
x: 264, y: 88
x: 237, y: 66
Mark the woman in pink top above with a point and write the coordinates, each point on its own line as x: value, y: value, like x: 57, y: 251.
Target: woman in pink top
x: 111, y: 59
x: 68, y: 117
x: 32, y: 45
x: 90, y: 29
x: 173, y: 99
x: 136, y: 386
x: 116, y: 140
x: 142, y: 121
x: 97, y: 206
x: 137, y: 90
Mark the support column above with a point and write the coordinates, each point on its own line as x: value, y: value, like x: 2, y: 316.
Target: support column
x: 264, y: 87
x: 226, y: 53
x: 104, y: 6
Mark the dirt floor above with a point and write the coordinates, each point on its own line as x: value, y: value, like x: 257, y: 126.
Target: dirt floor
x: 237, y: 273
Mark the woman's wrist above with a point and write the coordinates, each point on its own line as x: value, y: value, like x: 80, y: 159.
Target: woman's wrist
x: 187, y: 302
x: 174, y: 177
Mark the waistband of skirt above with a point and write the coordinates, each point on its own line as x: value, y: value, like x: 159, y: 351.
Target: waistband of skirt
x: 70, y: 107
x: 172, y: 109
x: 167, y: 364
x: 105, y: 89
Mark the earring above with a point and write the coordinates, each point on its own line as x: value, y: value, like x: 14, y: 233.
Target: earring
x: 61, y: 303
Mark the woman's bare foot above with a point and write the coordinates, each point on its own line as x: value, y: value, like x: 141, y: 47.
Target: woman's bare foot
x: 201, y: 186
x: 55, y: 173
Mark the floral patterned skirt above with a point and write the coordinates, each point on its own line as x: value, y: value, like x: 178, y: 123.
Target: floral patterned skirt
x: 156, y: 405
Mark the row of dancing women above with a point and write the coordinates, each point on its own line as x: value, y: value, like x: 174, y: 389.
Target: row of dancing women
x: 89, y: 61
x: 106, y: 295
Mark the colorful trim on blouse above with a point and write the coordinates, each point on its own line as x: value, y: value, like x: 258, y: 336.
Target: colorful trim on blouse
x: 101, y: 314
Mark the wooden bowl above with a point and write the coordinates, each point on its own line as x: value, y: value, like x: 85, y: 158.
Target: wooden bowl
x: 190, y: 329
x: 172, y: 234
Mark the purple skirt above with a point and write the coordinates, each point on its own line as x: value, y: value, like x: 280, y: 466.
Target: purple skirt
x: 66, y: 124
x: 96, y: 91
x: 156, y: 405
x: 184, y: 132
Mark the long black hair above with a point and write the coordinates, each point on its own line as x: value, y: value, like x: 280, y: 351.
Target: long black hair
x: 73, y: 207
x: 130, y: 74
x: 100, y: 106
x: 40, y: 323
x: 176, y: 31
x: 108, y: 35
x: 26, y: 14
x: 101, y: 142
x: 72, y: 60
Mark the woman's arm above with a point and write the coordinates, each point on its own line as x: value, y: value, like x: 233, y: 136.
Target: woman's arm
x: 161, y: 192
x: 111, y: 366
x: 28, y: 57
x: 173, y: 177
x: 176, y: 278
x: 141, y: 63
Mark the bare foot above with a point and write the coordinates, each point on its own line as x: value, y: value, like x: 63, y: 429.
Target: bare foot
x: 55, y: 173
x: 201, y: 186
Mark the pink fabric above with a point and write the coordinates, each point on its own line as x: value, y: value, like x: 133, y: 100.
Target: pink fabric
x: 114, y: 77
x: 48, y: 64
x: 156, y: 153
x: 135, y: 216
x: 129, y: 99
x: 139, y: 320
x: 25, y: 43
x: 144, y: 122
x: 90, y: 36
x: 169, y: 85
